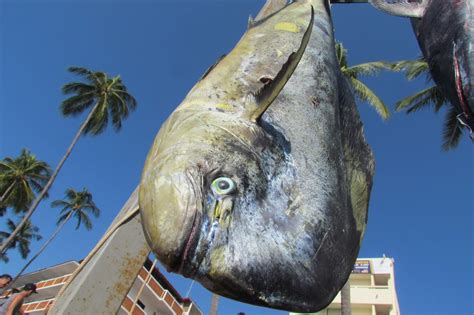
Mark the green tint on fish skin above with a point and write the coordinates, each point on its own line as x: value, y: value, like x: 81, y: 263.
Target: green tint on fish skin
x: 217, y: 262
x: 359, y: 199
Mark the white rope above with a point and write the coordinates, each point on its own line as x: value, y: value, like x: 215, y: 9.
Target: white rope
x: 145, y: 281
x: 189, y: 289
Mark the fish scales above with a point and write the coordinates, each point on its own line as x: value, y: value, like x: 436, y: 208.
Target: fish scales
x: 269, y: 212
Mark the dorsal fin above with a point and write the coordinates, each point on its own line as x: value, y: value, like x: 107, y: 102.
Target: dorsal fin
x: 267, y: 94
x: 407, y: 8
x: 250, y: 22
x: 212, y: 67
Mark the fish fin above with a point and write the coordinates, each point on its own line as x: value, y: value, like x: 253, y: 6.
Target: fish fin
x: 212, y: 67
x: 358, y: 157
x: 407, y: 8
x: 267, y: 94
x: 251, y: 22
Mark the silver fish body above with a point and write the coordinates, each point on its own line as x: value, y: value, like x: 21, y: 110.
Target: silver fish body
x: 268, y: 210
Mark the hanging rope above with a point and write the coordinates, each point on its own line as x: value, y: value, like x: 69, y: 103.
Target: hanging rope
x: 189, y: 289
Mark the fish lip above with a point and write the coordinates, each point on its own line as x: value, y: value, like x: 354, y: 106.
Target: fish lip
x: 459, y: 84
x: 182, y: 262
x: 189, y: 246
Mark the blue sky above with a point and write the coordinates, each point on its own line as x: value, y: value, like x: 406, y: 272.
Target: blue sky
x: 422, y: 199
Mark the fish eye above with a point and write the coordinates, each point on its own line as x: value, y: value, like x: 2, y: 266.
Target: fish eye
x: 223, y: 186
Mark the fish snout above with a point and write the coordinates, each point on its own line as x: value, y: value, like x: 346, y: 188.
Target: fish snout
x: 169, y: 211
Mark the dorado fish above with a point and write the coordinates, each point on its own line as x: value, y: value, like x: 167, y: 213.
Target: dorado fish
x: 445, y: 33
x: 258, y: 184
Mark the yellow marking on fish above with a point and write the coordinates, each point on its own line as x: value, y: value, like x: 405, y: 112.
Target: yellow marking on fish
x: 287, y: 26
x: 189, y: 104
x: 279, y: 53
x: 224, y: 106
x: 217, y: 262
x: 217, y: 211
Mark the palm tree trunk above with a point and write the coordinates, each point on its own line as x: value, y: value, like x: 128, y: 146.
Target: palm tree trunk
x: 35, y: 203
x: 5, y: 194
x: 43, y: 247
x: 214, y: 304
x: 346, y: 299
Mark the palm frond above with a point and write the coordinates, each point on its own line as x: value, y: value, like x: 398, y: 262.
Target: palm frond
x: 59, y: 203
x: 452, y: 130
x: 423, y: 99
x: 62, y: 218
x: 118, y: 111
x: 24, y: 249
x: 341, y: 54
x: 77, y: 104
x: 99, y: 120
x: 71, y: 194
x: 89, y: 75
x: 370, y: 68
x: 85, y: 219
x: 79, y: 219
x: 77, y: 88
x: 412, y: 68
x: 365, y: 94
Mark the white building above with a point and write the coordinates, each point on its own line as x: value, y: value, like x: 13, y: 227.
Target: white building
x: 373, y: 290
x: 151, y: 293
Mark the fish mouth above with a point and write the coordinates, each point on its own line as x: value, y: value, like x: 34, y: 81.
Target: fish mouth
x: 465, y: 117
x: 183, y: 260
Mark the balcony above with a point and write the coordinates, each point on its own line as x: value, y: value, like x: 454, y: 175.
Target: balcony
x: 368, y: 295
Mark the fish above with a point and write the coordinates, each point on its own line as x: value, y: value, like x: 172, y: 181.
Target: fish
x: 258, y: 184
x: 445, y: 33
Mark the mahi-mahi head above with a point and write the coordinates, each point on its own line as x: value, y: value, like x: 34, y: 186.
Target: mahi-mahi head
x: 258, y: 184
x: 445, y: 33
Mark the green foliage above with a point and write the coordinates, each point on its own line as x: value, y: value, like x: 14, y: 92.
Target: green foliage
x: 432, y: 96
x: 22, y: 240
x: 108, y: 96
x: 108, y: 100
x: 362, y: 91
x: 452, y: 130
x: 78, y: 204
x: 20, y: 178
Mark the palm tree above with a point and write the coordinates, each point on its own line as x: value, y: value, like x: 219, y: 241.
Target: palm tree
x: 20, y: 178
x: 214, y: 304
x: 353, y: 73
x: 22, y: 240
x: 77, y: 204
x: 107, y: 98
x: 346, y: 308
x: 432, y: 96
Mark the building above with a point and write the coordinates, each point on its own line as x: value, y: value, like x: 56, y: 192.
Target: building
x: 156, y: 296
x: 373, y: 292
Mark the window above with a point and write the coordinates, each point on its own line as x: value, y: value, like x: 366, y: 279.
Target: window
x: 140, y: 303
